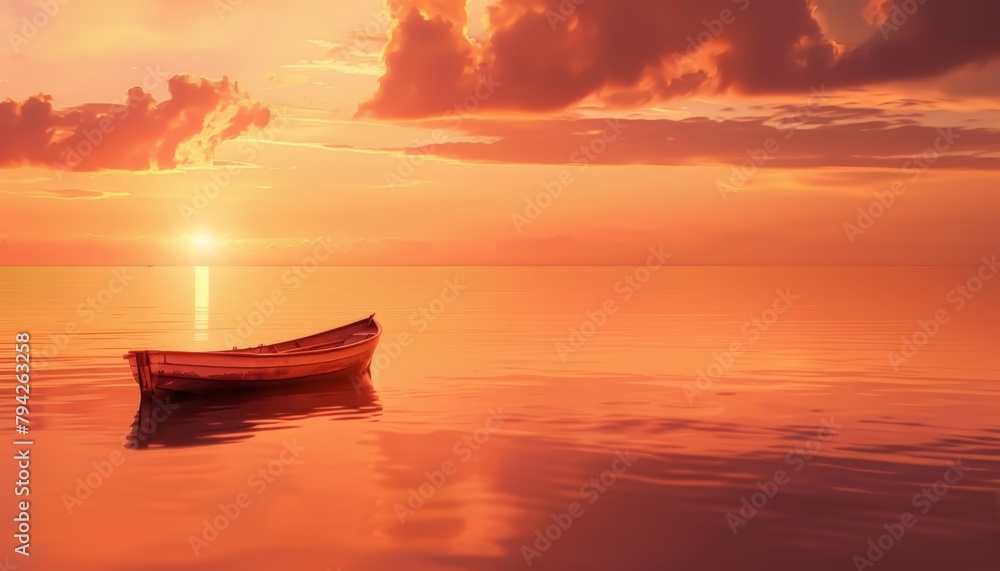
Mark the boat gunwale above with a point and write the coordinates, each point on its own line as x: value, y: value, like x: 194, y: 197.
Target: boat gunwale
x: 246, y: 352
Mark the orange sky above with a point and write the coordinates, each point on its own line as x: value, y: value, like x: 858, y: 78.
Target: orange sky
x: 509, y: 132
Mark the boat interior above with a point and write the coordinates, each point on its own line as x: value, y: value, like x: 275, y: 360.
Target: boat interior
x: 339, y: 337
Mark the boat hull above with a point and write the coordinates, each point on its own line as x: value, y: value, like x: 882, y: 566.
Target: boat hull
x: 339, y: 353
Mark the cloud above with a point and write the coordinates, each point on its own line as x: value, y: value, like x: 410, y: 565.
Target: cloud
x: 429, y: 60
x: 138, y: 134
x: 65, y: 193
x: 550, y: 54
x: 789, y: 137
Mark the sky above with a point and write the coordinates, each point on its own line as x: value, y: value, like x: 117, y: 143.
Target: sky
x: 512, y: 132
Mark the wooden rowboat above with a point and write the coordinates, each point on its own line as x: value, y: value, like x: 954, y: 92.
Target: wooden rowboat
x: 342, y: 351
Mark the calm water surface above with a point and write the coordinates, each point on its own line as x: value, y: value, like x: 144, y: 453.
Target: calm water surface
x: 503, y: 402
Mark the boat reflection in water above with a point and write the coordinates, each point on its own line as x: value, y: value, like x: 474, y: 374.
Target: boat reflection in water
x: 167, y: 419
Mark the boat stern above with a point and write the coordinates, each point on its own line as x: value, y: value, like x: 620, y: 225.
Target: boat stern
x: 138, y: 361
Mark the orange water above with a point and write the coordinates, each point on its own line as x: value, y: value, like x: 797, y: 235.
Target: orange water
x: 500, y: 344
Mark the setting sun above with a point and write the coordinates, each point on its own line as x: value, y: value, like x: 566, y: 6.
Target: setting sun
x: 202, y: 241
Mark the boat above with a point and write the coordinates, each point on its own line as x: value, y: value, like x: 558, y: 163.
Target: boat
x: 343, y: 351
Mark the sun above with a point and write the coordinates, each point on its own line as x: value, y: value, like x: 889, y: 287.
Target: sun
x: 202, y: 241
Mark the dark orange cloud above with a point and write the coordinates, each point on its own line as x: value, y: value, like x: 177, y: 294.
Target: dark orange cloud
x: 138, y: 134
x: 549, y: 54
x: 819, y: 136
